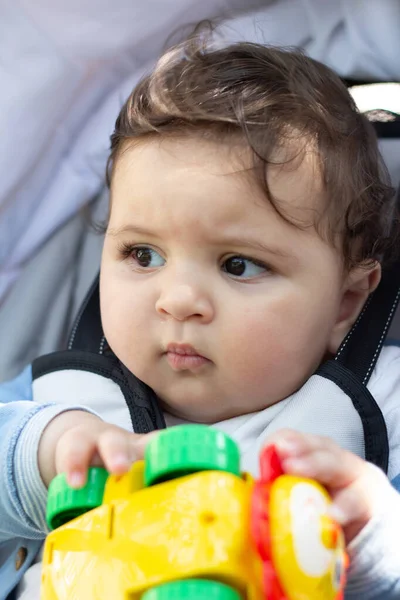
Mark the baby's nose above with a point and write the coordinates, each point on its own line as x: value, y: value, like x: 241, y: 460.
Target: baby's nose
x: 184, y: 301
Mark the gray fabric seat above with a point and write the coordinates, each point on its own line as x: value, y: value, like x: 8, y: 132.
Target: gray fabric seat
x: 37, y: 314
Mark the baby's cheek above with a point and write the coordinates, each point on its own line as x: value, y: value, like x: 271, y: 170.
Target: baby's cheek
x: 253, y: 346
x: 276, y: 350
x: 121, y: 325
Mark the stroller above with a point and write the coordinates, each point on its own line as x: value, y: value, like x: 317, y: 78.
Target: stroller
x: 46, y: 295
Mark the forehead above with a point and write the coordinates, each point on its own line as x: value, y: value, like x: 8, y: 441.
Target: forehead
x: 196, y: 167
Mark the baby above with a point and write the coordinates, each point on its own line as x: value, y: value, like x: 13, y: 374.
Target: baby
x: 247, y: 227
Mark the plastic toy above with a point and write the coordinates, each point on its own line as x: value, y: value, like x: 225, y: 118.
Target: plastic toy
x: 185, y: 523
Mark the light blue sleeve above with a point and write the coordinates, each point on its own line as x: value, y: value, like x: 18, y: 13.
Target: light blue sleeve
x: 19, y: 389
x: 23, y: 494
x: 396, y: 485
x: 16, y: 411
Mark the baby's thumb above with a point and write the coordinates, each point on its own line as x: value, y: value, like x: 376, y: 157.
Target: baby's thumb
x: 351, y: 511
x: 348, y: 506
x: 355, y: 505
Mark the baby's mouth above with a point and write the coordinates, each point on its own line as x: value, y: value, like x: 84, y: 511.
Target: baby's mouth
x: 183, y: 357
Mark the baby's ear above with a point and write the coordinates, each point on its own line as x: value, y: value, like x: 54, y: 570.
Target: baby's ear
x: 360, y: 282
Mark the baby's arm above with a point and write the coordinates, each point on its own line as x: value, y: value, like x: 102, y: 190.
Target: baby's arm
x: 364, y: 503
x: 35, y: 444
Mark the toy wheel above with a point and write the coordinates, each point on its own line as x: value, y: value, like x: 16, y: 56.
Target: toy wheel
x: 65, y: 503
x: 192, y: 589
x: 187, y: 449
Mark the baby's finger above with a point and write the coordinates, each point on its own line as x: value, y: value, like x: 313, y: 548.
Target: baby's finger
x: 291, y: 443
x: 116, y: 448
x: 119, y: 449
x: 330, y: 465
x: 317, y: 457
x: 350, y: 507
x: 74, y: 453
x: 369, y: 495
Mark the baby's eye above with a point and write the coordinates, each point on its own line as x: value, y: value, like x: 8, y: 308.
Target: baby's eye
x: 246, y: 268
x: 147, y: 257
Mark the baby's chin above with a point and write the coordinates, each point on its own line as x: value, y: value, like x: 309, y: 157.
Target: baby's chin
x: 198, y: 410
x: 203, y: 411
x: 188, y: 398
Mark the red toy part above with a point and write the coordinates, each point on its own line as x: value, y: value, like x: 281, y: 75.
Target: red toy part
x: 270, y: 465
x: 260, y: 520
x: 262, y: 539
x: 272, y: 587
x: 270, y: 470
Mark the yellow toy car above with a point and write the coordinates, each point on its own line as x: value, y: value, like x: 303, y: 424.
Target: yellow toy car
x: 185, y: 523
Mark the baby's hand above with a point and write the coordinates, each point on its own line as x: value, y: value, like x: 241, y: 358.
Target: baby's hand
x: 75, y: 440
x: 351, y: 481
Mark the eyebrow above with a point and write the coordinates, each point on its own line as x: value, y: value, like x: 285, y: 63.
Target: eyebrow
x: 254, y: 244
x: 116, y: 231
x: 233, y: 241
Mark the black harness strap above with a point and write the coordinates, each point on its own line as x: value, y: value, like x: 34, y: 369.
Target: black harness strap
x: 140, y: 399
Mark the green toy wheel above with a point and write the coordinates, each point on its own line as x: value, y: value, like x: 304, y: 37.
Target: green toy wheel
x: 65, y: 503
x: 188, y: 449
x: 192, y: 589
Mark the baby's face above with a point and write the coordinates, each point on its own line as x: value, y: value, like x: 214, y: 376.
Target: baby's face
x: 207, y: 294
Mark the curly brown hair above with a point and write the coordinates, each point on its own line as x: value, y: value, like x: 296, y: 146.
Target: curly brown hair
x: 266, y: 96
